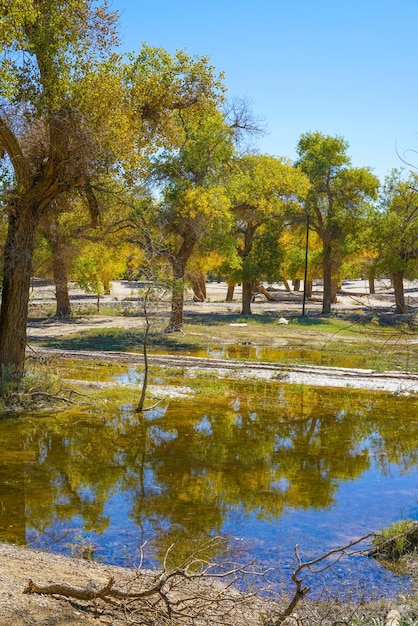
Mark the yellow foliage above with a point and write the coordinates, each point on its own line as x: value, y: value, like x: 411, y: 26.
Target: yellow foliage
x: 201, y: 202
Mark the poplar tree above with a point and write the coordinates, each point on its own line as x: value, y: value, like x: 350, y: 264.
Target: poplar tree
x: 72, y: 109
x: 337, y: 200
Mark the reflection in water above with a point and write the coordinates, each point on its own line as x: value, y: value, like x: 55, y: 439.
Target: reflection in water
x: 267, y: 467
x: 326, y: 355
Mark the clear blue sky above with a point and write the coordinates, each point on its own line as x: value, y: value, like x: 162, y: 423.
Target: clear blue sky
x: 342, y: 67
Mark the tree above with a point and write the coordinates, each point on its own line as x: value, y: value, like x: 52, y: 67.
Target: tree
x: 194, y: 205
x: 336, y: 201
x: 58, y: 228
x: 95, y: 266
x: 71, y: 111
x: 263, y: 190
x: 396, y: 232
x: 46, y: 48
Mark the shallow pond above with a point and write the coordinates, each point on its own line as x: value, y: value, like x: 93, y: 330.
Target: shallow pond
x: 265, y: 465
x: 370, y: 356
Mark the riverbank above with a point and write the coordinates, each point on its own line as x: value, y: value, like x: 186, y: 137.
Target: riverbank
x: 18, y: 565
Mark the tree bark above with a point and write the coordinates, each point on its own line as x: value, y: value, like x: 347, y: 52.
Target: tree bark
x: 60, y: 261
x: 261, y: 289
x: 247, y: 293
x: 286, y: 284
x: 18, y: 253
x: 397, y: 281
x: 60, y: 271
x: 230, y: 292
x: 198, y: 282
x: 309, y: 288
x: 335, y: 286
x: 178, y: 263
x: 327, y: 279
x: 296, y: 284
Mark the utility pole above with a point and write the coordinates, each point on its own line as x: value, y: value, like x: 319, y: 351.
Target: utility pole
x: 306, y: 264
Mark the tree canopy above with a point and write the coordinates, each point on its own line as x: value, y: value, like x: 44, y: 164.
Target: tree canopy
x: 337, y: 200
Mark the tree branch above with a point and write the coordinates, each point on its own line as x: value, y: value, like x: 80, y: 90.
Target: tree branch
x: 10, y: 143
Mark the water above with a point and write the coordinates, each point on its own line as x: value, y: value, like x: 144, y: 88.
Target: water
x: 266, y: 466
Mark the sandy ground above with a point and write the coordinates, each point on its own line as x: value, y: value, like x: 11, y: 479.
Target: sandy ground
x: 355, y: 296
x: 19, y: 607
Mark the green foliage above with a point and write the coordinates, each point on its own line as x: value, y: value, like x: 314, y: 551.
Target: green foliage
x: 395, y: 224
x: 338, y: 201
x: 263, y: 191
x: 47, y: 45
x: 194, y: 202
x: 339, y: 193
x: 96, y: 266
x: 321, y: 156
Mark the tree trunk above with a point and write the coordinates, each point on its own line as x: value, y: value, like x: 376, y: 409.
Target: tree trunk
x: 397, y: 281
x: 327, y: 279
x: 335, y: 286
x: 178, y: 263
x: 60, y: 261
x: 261, y: 289
x: 177, y: 301
x: 296, y: 284
x: 18, y: 253
x: 198, y: 282
x: 309, y: 288
x: 372, y: 289
x: 230, y: 292
x: 247, y: 293
x: 60, y: 269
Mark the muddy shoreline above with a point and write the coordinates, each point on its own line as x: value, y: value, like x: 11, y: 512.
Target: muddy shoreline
x: 315, y: 375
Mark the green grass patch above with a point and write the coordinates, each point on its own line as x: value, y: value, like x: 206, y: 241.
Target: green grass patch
x: 327, y: 341
x: 397, y: 540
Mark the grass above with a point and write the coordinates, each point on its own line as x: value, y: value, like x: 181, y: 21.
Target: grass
x: 397, y: 540
x: 331, y: 341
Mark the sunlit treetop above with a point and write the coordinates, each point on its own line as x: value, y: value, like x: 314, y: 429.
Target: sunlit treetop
x: 45, y: 45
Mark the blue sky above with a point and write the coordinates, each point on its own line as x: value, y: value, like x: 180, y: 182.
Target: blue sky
x: 342, y: 67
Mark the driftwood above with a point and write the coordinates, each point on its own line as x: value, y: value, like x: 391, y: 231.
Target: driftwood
x: 206, y: 594
x: 50, y: 396
x: 196, y: 592
x: 278, y: 296
x: 69, y: 591
x: 108, y: 591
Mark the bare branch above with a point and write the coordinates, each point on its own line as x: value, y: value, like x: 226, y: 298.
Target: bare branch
x: 300, y: 589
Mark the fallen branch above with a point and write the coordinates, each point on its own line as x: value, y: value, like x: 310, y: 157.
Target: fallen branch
x: 68, y: 591
x: 197, y: 591
x: 300, y: 589
x: 50, y: 396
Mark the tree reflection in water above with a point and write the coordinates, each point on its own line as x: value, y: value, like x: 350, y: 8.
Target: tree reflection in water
x: 242, y: 465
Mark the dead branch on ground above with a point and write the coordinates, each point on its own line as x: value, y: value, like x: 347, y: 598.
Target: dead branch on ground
x: 301, y: 590
x: 195, y: 592
x: 200, y: 592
